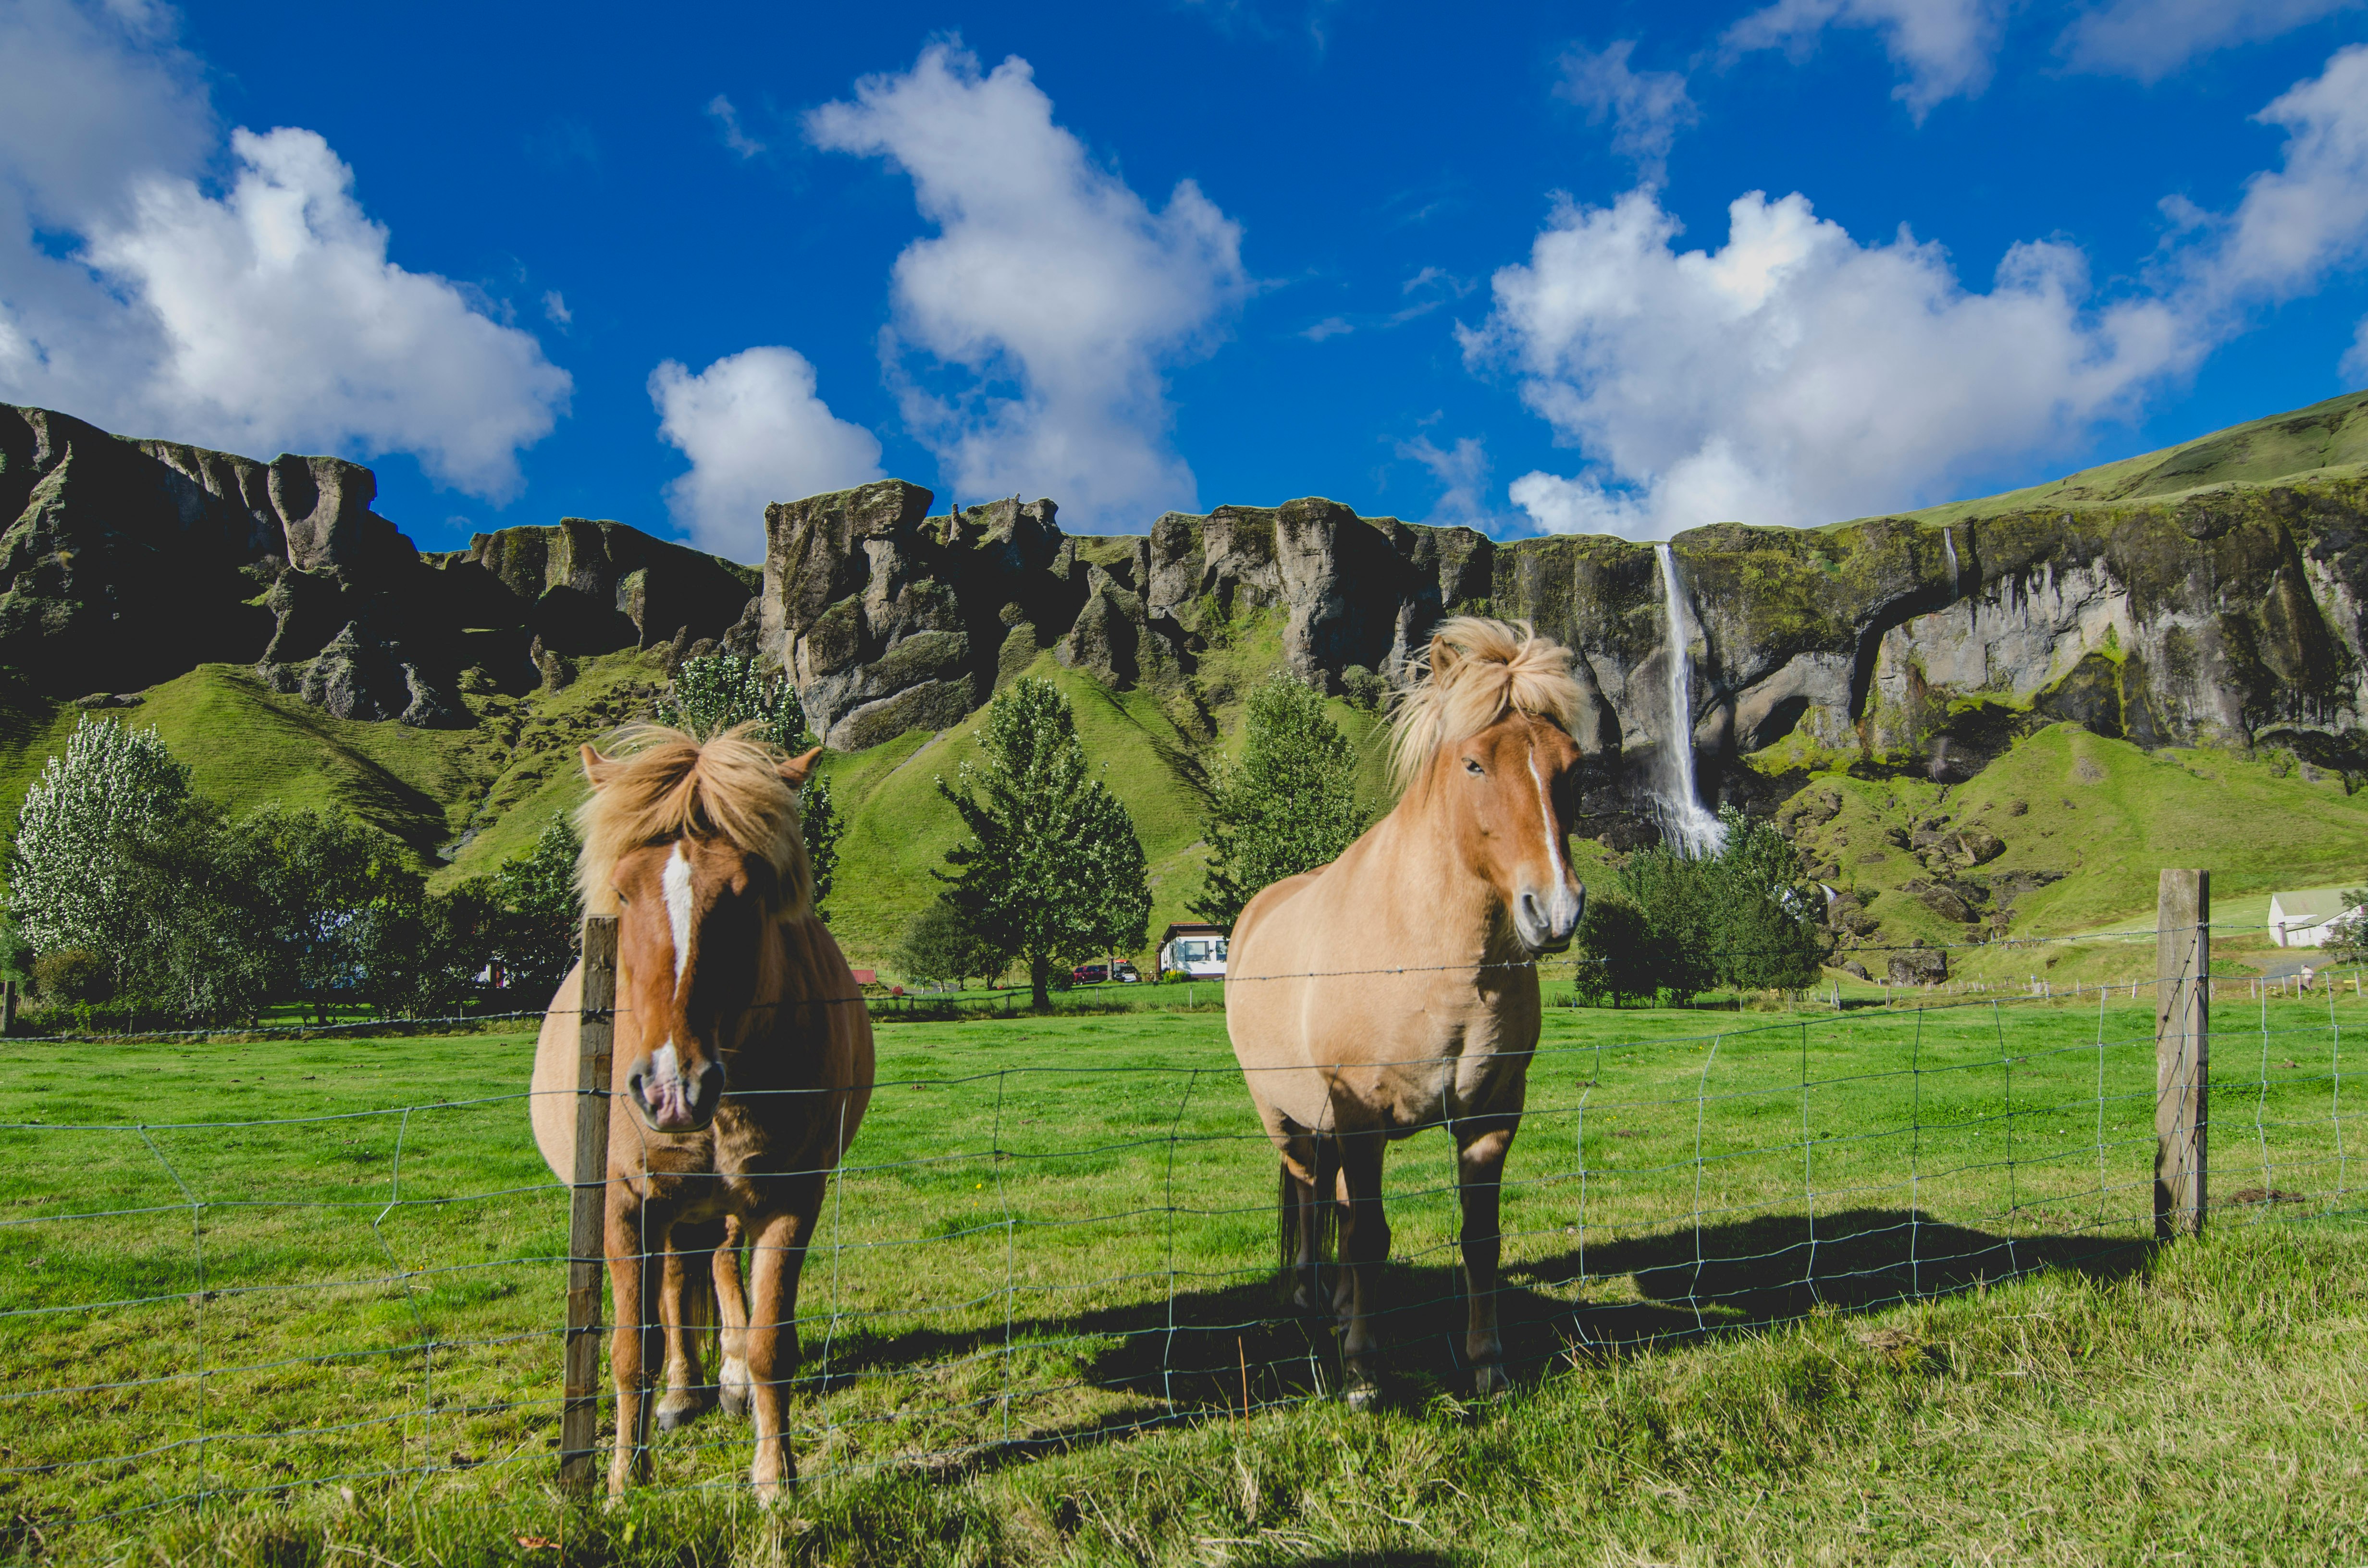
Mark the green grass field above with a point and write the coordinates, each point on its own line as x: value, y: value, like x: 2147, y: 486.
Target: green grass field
x: 1752, y: 1260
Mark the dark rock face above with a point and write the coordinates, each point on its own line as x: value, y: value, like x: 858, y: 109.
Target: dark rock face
x: 888, y: 616
x: 1887, y: 644
x: 127, y: 562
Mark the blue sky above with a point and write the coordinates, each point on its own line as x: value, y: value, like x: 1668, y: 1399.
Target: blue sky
x: 1618, y: 269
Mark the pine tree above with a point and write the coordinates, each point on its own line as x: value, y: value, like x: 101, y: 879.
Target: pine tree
x: 717, y: 692
x: 1288, y: 805
x: 69, y: 885
x: 1052, y: 871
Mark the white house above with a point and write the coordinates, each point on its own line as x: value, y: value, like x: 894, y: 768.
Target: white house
x: 2301, y: 919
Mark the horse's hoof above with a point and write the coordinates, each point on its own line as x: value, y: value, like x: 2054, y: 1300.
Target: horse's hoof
x: 1488, y: 1381
x: 1363, y: 1395
x: 680, y: 1407
x: 737, y: 1396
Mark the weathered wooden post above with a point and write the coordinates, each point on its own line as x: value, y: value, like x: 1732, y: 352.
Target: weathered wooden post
x: 2183, y: 1054
x: 8, y: 1009
x: 579, y: 1411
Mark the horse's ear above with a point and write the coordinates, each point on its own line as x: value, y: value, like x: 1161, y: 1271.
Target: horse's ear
x: 1444, y: 656
x: 598, y: 767
x: 798, y: 769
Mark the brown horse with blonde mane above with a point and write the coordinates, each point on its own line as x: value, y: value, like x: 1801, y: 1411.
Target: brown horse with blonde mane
x: 742, y: 1066
x: 1396, y: 988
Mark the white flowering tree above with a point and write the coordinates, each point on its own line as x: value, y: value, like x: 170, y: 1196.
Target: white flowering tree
x: 69, y: 883
x: 1053, y: 871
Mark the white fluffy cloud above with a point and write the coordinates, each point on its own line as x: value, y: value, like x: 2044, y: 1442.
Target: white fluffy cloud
x: 1055, y: 297
x: 2149, y: 39
x: 264, y: 318
x: 1648, y: 109
x: 2355, y: 360
x: 754, y: 433
x: 1943, y: 48
x: 2300, y: 221
x: 1794, y: 375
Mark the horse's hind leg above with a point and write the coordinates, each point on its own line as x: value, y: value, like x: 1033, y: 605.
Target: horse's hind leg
x: 732, y: 1306
x: 1479, y: 1175
x: 686, y: 1304
x: 1364, y: 1244
x: 1303, y: 1225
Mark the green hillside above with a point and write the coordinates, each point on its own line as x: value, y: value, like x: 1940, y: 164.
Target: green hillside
x: 2106, y: 817
x: 466, y: 798
x: 2327, y: 440
x: 1158, y: 763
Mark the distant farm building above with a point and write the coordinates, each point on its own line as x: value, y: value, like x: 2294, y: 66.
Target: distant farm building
x: 2303, y: 919
x: 1197, y: 952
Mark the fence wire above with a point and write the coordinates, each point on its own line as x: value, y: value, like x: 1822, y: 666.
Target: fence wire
x: 1020, y: 1256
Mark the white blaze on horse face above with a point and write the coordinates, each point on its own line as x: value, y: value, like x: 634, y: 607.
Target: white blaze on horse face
x: 1553, y: 829
x: 676, y: 882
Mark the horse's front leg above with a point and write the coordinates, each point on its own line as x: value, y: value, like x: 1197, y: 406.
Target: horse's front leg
x: 777, y: 1252
x: 1364, y: 1244
x: 732, y: 1312
x: 684, y: 1304
x: 1480, y: 1150
x: 635, y: 1239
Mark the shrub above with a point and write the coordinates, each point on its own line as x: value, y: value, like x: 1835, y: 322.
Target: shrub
x: 69, y: 976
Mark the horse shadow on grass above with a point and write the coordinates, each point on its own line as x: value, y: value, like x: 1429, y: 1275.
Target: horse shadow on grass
x: 1212, y: 1352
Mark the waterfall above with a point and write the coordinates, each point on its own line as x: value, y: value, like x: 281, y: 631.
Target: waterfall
x: 1677, y: 805
x: 1948, y: 544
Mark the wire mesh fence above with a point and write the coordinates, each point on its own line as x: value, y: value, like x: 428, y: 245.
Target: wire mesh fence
x: 1053, y: 1232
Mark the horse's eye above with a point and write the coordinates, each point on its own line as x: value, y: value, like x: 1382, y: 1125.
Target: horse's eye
x: 1472, y: 765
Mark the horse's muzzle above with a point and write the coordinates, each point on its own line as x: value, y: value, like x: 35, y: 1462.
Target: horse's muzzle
x: 1547, y: 924
x: 670, y: 1100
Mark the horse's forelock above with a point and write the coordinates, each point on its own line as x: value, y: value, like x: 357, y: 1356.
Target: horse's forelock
x: 1475, y: 672
x: 667, y: 784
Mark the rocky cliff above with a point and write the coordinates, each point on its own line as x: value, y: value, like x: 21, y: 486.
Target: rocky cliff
x: 125, y: 563
x: 2228, y: 616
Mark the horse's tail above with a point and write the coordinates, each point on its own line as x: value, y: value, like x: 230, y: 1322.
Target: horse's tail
x: 1327, y: 1199
x: 1286, y: 1212
x: 1322, y: 1195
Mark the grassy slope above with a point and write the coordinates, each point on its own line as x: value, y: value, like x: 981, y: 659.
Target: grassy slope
x: 2110, y: 817
x: 899, y: 829
x: 246, y: 745
x: 2326, y: 441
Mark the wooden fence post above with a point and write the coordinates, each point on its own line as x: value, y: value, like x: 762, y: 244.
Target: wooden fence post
x: 8, y: 1009
x: 2183, y: 1053
x: 579, y: 1411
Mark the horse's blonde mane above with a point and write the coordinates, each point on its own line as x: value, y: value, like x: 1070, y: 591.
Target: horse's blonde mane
x: 666, y: 784
x: 1475, y: 672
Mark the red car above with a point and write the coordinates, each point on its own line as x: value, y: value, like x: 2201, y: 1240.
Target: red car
x: 1089, y: 974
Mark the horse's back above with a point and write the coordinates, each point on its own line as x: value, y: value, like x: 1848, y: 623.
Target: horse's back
x: 555, y: 1067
